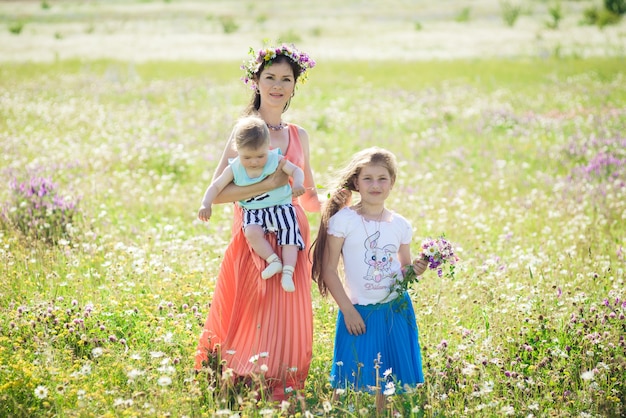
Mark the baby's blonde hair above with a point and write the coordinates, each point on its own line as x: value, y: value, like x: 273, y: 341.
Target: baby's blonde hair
x: 251, y: 132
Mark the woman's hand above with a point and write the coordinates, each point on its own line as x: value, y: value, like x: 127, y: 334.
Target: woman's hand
x: 354, y: 322
x: 419, y: 266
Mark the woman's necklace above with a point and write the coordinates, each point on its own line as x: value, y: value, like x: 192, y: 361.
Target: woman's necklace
x: 282, y: 125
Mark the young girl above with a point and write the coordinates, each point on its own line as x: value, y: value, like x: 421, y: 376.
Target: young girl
x: 376, y: 340
x: 267, y: 212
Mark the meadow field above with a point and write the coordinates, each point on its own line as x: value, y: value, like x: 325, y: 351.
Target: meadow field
x: 518, y: 156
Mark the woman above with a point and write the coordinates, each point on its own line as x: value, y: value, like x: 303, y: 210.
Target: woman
x: 253, y: 325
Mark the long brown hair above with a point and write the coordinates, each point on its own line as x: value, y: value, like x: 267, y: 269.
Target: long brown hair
x: 341, y: 197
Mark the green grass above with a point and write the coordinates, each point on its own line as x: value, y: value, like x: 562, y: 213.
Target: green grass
x: 498, y: 154
x: 486, y: 73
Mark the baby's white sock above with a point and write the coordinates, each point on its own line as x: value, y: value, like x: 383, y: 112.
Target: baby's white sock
x: 275, y: 266
x: 287, y: 279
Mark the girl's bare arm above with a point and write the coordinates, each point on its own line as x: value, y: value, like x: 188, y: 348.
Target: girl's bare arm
x: 353, y: 320
x: 404, y: 256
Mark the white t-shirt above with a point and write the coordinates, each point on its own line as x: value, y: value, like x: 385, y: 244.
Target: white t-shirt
x: 370, y: 254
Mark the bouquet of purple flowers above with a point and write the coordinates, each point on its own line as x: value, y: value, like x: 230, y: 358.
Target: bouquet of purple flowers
x: 439, y: 253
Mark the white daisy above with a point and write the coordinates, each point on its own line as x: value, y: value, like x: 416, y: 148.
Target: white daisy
x: 390, y: 389
x: 164, y: 381
x: 41, y: 392
x: 588, y: 375
x: 327, y: 406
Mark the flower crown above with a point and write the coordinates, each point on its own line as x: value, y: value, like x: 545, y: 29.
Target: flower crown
x: 268, y: 54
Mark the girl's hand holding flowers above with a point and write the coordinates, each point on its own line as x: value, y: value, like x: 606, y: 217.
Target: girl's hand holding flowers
x: 419, y: 265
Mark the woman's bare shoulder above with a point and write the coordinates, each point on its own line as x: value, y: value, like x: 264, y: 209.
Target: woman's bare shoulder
x: 302, y: 133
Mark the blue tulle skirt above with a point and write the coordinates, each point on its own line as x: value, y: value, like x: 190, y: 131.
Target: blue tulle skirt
x: 388, y: 351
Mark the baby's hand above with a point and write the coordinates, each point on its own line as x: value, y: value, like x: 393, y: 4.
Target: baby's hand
x: 419, y: 265
x: 204, y: 214
x: 298, y: 190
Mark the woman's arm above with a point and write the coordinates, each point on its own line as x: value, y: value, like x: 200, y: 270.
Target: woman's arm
x: 353, y: 320
x: 310, y: 200
x: 232, y: 192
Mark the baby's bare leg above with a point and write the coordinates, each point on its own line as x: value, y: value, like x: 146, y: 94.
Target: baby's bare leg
x: 256, y: 237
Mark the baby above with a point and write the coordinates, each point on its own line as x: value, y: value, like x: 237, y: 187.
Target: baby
x: 268, y: 212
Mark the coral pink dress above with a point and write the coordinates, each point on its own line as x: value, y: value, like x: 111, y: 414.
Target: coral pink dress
x: 257, y: 326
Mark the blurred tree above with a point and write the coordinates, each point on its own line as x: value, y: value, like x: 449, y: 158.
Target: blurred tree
x: 615, y: 6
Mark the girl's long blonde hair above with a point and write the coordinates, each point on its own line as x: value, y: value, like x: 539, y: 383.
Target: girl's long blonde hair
x: 341, y: 197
